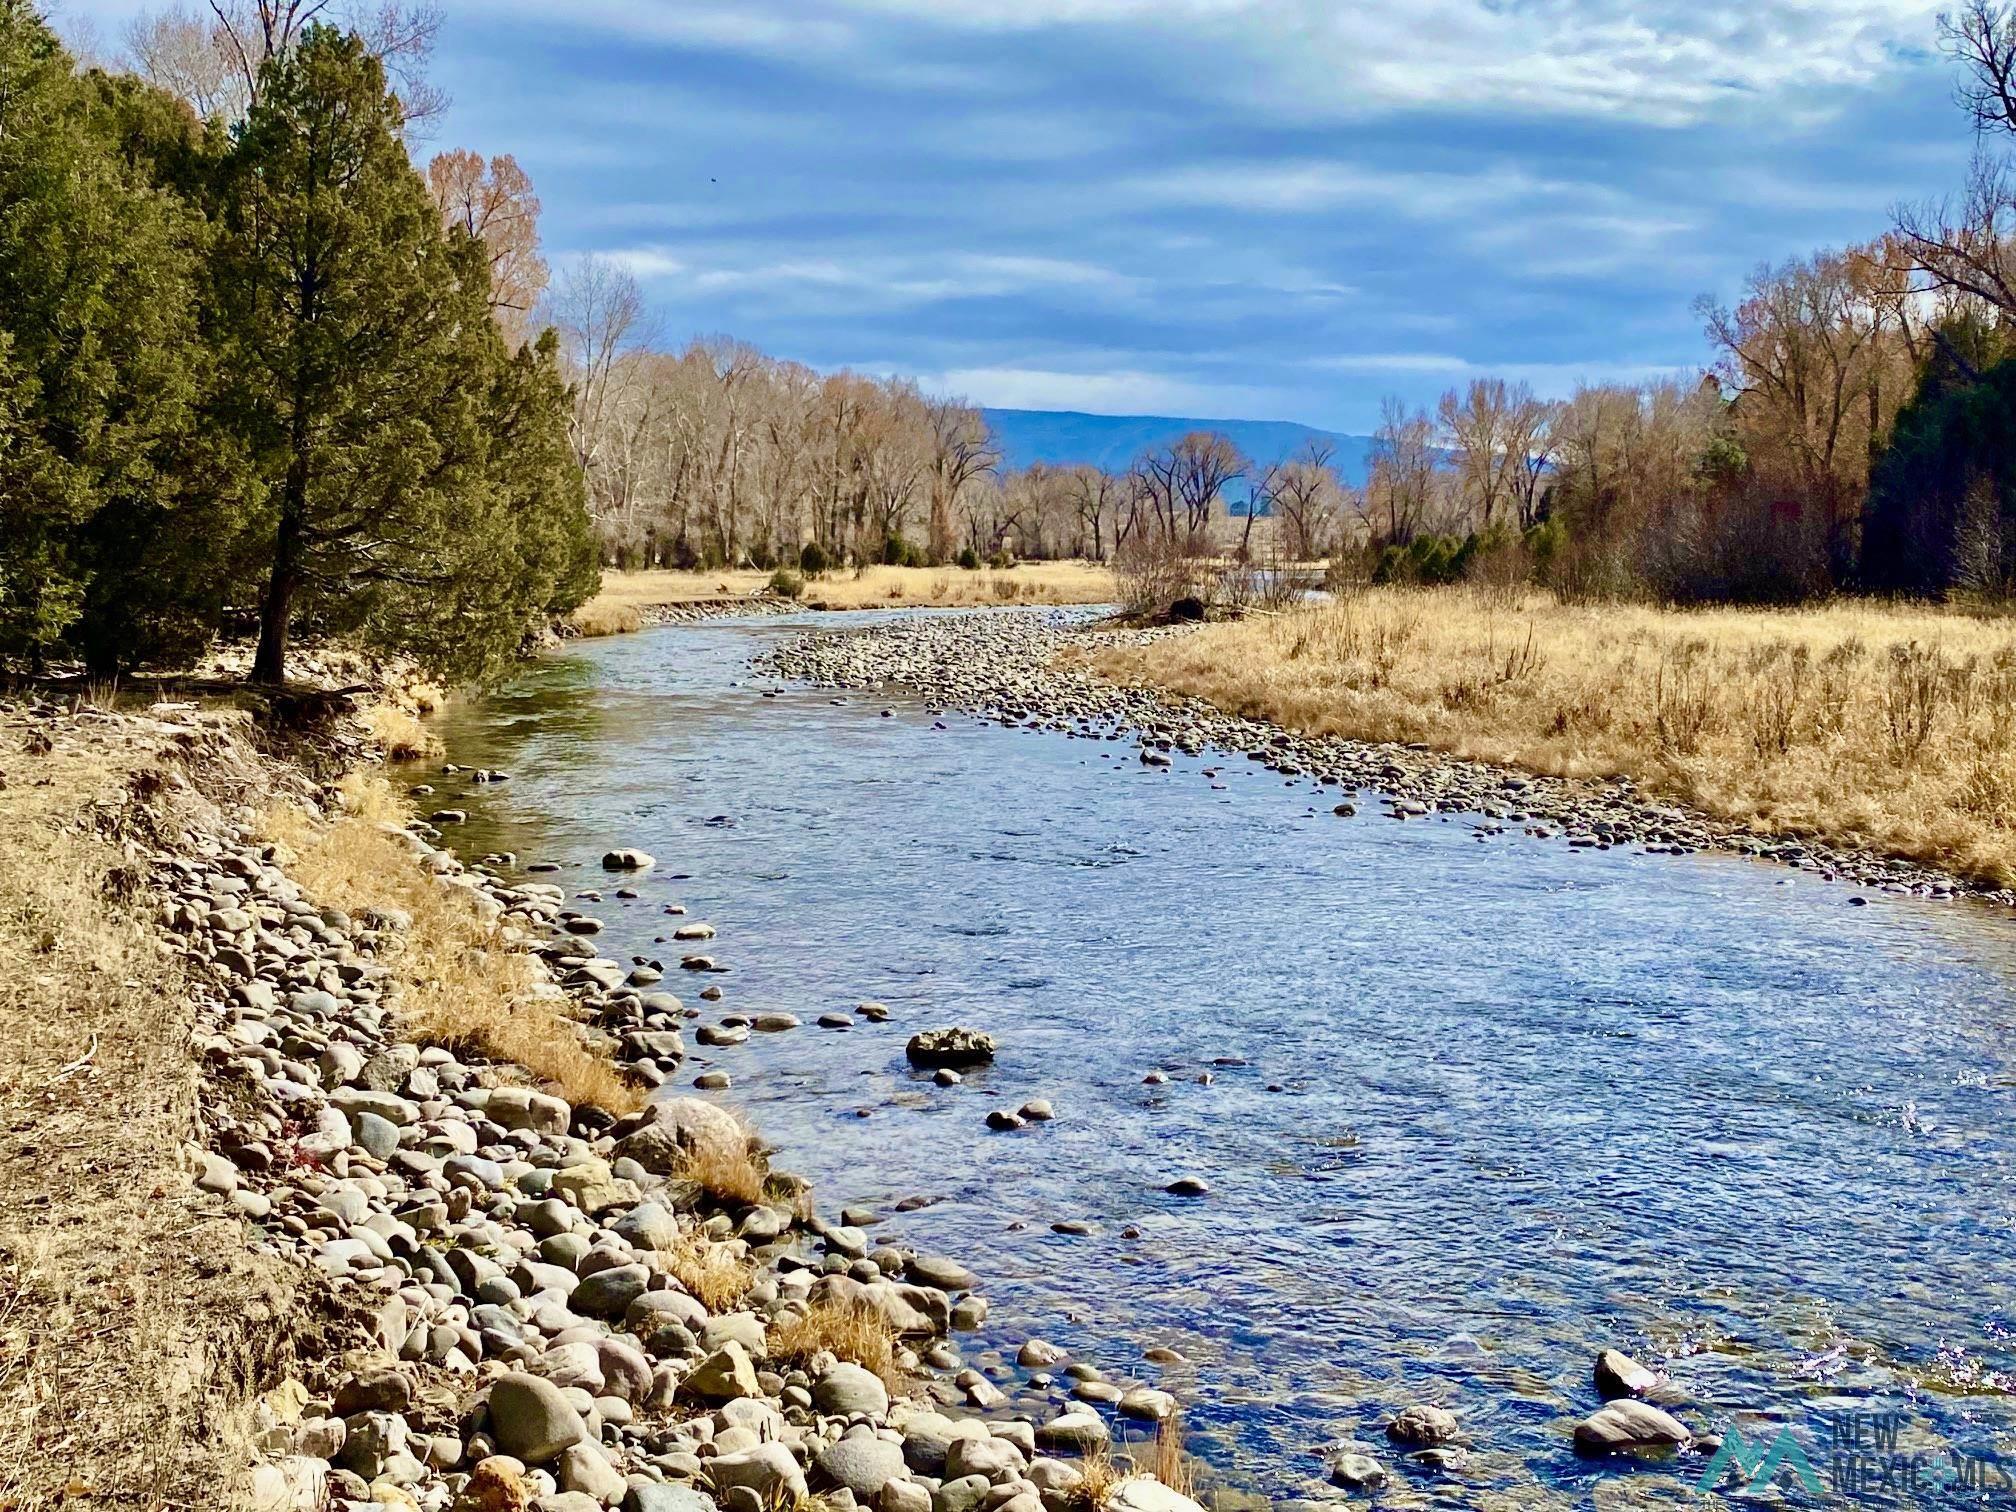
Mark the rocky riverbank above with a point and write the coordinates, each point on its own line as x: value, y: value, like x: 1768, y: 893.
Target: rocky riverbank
x: 1017, y: 667
x: 501, y: 1299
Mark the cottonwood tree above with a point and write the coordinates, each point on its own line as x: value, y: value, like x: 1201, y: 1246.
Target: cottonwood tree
x: 1183, y: 483
x: 1810, y: 355
x: 494, y: 203
x: 214, y: 58
x: 1498, y: 434
x: 962, y: 448
x: 1308, y: 501
x: 1401, y: 492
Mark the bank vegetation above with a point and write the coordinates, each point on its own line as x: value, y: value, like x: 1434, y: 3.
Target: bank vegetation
x: 1875, y: 725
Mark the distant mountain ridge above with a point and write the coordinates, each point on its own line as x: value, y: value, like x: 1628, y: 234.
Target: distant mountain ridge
x: 1064, y: 437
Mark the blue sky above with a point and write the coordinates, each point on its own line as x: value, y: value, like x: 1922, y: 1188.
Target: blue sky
x: 1276, y: 209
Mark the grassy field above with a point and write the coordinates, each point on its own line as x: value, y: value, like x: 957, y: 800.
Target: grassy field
x: 625, y: 595
x: 1888, y: 728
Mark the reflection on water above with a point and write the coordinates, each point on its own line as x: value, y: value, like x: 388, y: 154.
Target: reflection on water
x: 1473, y: 1110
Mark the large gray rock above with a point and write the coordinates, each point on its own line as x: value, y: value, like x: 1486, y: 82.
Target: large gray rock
x: 1081, y: 1430
x: 768, y: 1470
x: 929, y: 1436
x: 1629, y: 1424
x: 1422, y: 1426
x: 648, y: 1226
x: 531, y: 1420
x: 660, y: 1496
x: 608, y: 1292
x: 669, y: 1132
x: 936, y: 1270
x: 585, y: 1468
x: 522, y: 1108
x: 1351, y: 1467
x: 629, y: 860
x: 1618, y: 1375
x: 1143, y: 1493
x: 995, y: 1458
x: 862, y: 1463
x: 951, y: 1047
x: 847, y: 1389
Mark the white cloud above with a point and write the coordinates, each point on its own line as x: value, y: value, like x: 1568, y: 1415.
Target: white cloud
x: 1664, y: 61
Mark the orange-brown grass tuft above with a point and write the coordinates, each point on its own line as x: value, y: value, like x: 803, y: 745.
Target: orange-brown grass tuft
x: 602, y: 616
x: 461, y: 985
x: 1167, y: 1461
x: 718, y: 1276
x: 732, y: 1173
x: 1878, y: 726
x: 849, y: 1331
x: 399, y: 732
x: 1100, y: 1474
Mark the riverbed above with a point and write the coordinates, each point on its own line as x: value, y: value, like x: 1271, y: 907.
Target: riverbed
x: 1470, y: 1106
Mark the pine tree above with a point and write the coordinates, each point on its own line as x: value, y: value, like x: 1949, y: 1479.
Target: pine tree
x: 97, y: 335
x: 351, y: 342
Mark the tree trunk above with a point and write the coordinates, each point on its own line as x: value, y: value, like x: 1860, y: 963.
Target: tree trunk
x: 269, y: 662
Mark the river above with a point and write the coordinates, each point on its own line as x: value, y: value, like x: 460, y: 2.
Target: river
x: 1469, y: 1111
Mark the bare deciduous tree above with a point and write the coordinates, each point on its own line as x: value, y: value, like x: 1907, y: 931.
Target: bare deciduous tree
x: 211, y: 59
x: 494, y: 203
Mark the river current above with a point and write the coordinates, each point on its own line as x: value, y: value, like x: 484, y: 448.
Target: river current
x: 1469, y: 1110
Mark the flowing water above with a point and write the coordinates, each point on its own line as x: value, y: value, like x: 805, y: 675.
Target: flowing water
x: 1473, y: 1110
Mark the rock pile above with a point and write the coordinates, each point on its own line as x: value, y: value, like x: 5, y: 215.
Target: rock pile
x: 553, y: 1315
x: 1003, y: 665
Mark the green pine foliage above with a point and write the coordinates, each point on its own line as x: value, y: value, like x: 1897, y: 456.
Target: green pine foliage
x: 253, y: 377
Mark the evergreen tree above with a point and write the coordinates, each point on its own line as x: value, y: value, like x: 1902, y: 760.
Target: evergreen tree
x: 1942, y: 504
x: 373, y: 393
x: 97, y: 336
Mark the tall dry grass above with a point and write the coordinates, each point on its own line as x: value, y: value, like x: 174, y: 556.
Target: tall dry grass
x: 399, y: 732
x: 716, y: 1275
x: 625, y: 595
x: 460, y: 984
x: 849, y: 1331
x: 1878, y: 726
x: 601, y: 616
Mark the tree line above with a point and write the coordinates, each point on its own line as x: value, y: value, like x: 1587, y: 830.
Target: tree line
x: 254, y: 373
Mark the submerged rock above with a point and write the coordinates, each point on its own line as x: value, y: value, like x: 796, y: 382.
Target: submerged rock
x: 1628, y: 1424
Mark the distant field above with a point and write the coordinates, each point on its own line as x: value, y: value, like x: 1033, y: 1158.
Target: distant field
x: 1892, y: 728
x: 625, y: 595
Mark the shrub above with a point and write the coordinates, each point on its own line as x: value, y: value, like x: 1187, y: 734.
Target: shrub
x: 968, y: 558
x: 897, y: 552
x: 812, y: 559
x: 787, y: 584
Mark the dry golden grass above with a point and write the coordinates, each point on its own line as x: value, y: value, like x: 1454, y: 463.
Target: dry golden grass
x: 1167, y: 1461
x: 1871, y: 725
x: 399, y: 732
x: 846, y: 1330
x: 732, y: 1174
x: 133, y: 1321
x: 604, y: 616
x: 625, y: 595
x: 1100, y: 1475
x: 461, y: 986
x: 716, y: 1275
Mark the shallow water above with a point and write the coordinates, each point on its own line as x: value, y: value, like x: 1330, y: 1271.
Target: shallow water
x: 1532, y: 1101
